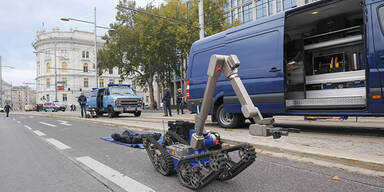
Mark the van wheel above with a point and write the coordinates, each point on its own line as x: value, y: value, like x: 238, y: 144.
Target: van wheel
x: 229, y: 120
x: 111, y: 113
x: 137, y: 113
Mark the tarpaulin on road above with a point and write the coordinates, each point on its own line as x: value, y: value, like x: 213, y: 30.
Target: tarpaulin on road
x: 131, y: 138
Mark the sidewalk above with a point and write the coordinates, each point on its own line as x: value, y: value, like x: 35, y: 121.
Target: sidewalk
x: 345, y: 151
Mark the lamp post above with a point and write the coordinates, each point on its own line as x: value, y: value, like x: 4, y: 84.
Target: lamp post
x: 95, y: 36
x: 1, y: 81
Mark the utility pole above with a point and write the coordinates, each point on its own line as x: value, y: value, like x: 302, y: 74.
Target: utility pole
x: 96, y: 75
x: 201, y: 18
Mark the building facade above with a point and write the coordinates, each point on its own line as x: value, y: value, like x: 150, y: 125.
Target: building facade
x: 73, y: 68
x: 22, y: 96
x: 6, y: 92
x: 250, y: 10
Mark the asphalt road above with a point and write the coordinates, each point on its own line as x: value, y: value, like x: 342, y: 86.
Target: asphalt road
x: 47, y: 154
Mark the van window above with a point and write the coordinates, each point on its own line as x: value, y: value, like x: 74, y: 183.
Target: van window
x: 381, y: 17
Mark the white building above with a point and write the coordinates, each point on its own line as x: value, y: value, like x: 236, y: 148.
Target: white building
x: 22, y: 96
x: 250, y: 10
x: 75, y: 66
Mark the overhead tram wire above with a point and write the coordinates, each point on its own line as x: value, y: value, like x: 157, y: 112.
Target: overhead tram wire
x: 158, y: 16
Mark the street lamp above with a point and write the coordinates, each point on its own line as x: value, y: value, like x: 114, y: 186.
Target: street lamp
x: 95, y: 26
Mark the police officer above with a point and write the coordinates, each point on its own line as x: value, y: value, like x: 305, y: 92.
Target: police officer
x: 167, y: 102
x: 82, y: 102
x: 179, y: 101
x: 7, y: 108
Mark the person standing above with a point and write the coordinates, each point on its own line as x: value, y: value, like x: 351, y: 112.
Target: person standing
x: 167, y: 102
x: 180, y: 101
x: 83, y: 103
x: 7, y: 108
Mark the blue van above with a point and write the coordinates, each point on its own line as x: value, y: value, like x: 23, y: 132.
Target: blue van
x: 323, y: 58
x: 114, y: 100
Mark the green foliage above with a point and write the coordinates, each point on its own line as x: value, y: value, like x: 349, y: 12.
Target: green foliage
x: 151, y: 47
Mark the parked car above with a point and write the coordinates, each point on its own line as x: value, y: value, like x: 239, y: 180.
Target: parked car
x: 1, y: 109
x: 60, y: 106
x: 39, y: 107
x: 28, y: 107
x: 50, y: 106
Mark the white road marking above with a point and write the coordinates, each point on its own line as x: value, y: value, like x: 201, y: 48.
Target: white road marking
x: 39, y: 133
x: 28, y: 127
x: 119, y: 179
x: 58, y: 144
x: 18, y: 122
x: 48, y: 124
x: 31, y: 116
x: 64, y: 122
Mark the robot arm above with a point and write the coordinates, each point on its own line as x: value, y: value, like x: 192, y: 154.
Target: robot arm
x: 228, y: 65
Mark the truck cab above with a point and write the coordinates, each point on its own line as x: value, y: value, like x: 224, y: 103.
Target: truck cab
x: 114, y: 100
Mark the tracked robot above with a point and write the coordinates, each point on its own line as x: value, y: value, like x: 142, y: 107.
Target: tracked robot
x: 198, y: 156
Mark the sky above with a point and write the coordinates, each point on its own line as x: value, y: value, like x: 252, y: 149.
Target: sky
x: 20, y: 19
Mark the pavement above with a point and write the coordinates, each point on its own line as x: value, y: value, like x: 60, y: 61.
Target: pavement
x: 351, y: 148
x: 61, y: 153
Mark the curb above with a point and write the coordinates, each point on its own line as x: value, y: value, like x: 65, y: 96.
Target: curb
x: 374, y: 166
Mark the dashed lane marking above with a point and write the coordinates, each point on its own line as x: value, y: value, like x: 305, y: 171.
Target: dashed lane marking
x: 116, y: 177
x: 64, y: 122
x: 39, y: 133
x: 18, y: 122
x: 58, y: 144
x: 28, y: 127
x: 44, y: 123
x: 31, y: 117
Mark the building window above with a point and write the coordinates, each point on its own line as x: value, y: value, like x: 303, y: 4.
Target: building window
x: 83, y: 54
x: 111, y: 81
x: 248, y: 12
x: 278, y: 6
x: 48, y: 82
x: 48, y: 68
x: 233, y: 16
x: 287, y: 4
x: 270, y: 7
x: 85, y: 82
x: 87, y: 54
x: 239, y: 14
x: 232, y: 3
x: 110, y: 70
x: 65, y: 80
x: 261, y: 8
x: 85, y: 67
x: 101, y: 83
x: 238, y: 2
x: 227, y: 18
x: 65, y: 97
x: 65, y: 66
x: 120, y: 71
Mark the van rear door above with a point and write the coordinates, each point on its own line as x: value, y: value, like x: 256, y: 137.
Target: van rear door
x: 376, y: 81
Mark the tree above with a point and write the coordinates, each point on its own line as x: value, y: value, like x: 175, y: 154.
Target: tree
x: 152, y: 48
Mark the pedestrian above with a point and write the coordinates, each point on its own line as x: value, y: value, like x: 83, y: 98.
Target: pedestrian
x: 71, y: 107
x: 7, y: 108
x: 83, y: 103
x: 155, y: 105
x: 74, y: 107
x: 180, y: 101
x: 167, y: 101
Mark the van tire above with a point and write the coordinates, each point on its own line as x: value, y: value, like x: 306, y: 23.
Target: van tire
x: 137, y: 113
x: 229, y: 120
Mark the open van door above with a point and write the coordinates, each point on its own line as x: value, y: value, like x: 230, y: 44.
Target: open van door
x: 376, y: 81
